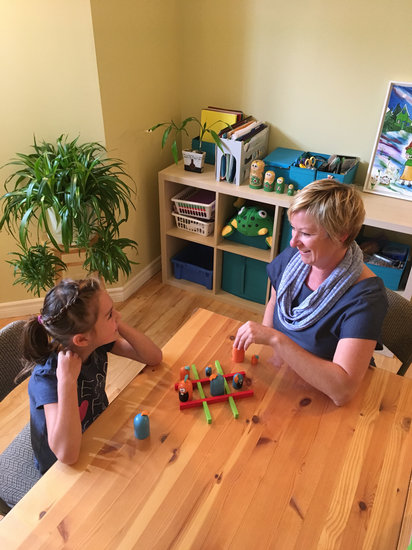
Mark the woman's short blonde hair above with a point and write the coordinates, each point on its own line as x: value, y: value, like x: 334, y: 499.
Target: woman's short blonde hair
x: 335, y: 206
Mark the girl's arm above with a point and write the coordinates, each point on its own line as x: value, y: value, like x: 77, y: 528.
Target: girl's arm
x: 136, y: 345
x: 64, y: 428
x: 339, y: 378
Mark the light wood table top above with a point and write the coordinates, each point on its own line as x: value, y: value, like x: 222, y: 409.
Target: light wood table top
x: 292, y: 471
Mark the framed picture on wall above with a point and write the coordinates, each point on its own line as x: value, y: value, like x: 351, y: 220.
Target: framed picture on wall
x: 390, y: 168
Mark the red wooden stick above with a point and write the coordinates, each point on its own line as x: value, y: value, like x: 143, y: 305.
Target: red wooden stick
x: 216, y: 399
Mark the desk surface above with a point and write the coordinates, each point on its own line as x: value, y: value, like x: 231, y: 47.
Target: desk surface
x: 292, y: 471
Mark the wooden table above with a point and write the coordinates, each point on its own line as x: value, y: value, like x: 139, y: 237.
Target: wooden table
x: 292, y: 471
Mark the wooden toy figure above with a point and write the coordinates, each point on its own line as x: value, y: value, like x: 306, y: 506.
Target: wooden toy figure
x: 217, y: 385
x: 280, y: 185
x: 238, y: 355
x: 208, y: 371
x: 254, y: 359
x: 291, y: 189
x: 185, y: 389
x: 184, y: 371
x: 141, y: 425
x: 256, y: 174
x: 237, y: 381
x: 269, y: 181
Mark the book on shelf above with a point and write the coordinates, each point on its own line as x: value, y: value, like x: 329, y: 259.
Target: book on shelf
x: 217, y: 119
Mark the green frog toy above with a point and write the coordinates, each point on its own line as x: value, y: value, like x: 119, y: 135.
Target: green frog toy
x: 251, y: 221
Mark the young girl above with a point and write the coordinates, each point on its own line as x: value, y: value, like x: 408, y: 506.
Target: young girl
x: 69, y: 342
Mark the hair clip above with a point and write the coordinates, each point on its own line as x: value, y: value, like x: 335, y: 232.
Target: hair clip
x: 39, y: 319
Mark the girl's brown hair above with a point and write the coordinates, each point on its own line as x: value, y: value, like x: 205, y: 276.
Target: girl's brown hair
x: 69, y: 308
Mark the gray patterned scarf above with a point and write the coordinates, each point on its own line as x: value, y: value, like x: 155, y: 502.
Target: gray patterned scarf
x: 319, y: 302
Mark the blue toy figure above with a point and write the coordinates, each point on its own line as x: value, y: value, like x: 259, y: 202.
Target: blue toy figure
x: 208, y: 371
x: 237, y: 381
x: 141, y: 425
x: 217, y: 385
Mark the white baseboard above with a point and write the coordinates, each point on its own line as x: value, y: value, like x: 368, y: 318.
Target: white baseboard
x: 119, y: 294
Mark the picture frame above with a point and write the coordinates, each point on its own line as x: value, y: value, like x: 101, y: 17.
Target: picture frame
x: 390, y: 167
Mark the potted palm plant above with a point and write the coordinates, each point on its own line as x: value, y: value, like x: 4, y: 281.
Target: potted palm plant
x: 65, y: 196
x: 193, y: 159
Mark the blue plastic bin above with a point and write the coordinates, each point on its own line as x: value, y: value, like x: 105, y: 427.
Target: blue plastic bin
x: 194, y: 263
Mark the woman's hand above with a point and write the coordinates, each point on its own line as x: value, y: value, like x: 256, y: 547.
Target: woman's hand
x: 254, y: 333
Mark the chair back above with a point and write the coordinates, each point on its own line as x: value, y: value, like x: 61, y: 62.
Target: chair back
x: 11, y: 356
x: 397, y: 329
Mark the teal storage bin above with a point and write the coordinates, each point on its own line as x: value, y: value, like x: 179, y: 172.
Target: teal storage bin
x: 244, y: 277
x: 207, y: 147
x: 285, y: 162
x: 280, y: 161
x: 194, y: 263
x: 347, y: 177
x: 300, y: 177
x: 391, y: 276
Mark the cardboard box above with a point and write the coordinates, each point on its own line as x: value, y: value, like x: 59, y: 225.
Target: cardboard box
x: 233, y: 164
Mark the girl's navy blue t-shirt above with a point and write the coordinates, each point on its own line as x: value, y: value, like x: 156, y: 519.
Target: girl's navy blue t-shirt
x: 91, y: 394
x: 359, y: 313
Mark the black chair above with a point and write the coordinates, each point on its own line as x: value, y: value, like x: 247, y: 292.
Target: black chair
x: 397, y: 329
x: 17, y: 471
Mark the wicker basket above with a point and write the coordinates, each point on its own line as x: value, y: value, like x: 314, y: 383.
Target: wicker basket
x: 195, y: 202
x: 193, y: 224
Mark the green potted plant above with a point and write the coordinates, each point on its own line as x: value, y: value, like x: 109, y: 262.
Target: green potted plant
x: 193, y: 159
x: 78, y: 198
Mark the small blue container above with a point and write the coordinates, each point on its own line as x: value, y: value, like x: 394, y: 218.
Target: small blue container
x: 141, y: 425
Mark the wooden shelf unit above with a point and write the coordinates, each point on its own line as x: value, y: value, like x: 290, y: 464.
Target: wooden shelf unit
x: 382, y: 213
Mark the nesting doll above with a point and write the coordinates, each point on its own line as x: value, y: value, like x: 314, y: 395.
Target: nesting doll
x: 256, y: 174
x: 269, y: 181
x: 280, y: 185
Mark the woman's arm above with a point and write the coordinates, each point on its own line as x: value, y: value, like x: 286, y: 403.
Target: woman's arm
x: 270, y: 309
x: 64, y: 430
x: 136, y: 345
x: 339, y: 379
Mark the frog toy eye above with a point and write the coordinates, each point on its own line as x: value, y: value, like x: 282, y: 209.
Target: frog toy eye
x: 263, y: 213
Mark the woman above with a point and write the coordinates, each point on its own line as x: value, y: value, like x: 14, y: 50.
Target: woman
x: 326, y: 307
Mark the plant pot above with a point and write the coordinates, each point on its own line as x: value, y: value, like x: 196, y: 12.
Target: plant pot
x: 194, y: 160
